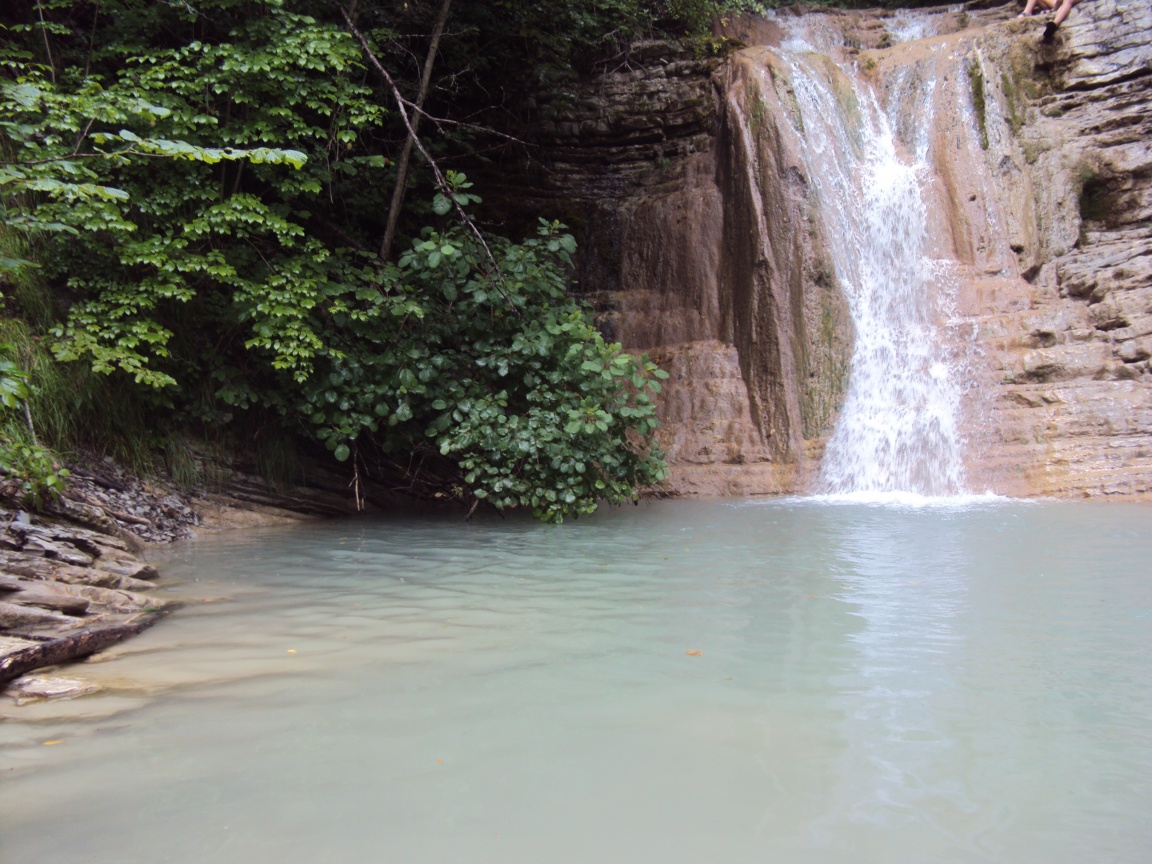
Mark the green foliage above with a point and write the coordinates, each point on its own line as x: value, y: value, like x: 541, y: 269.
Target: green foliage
x: 59, y: 158
x: 979, y: 101
x: 199, y: 188
x: 485, y: 369
x: 532, y: 404
x: 695, y: 16
x: 551, y: 40
x: 74, y: 408
x: 161, y: 233
x: 29, y: 473
x: 13, y: 382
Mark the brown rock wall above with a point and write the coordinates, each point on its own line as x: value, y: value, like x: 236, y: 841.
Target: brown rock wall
x: 1068, y: 395
x: 690, y: 256
x: 701, y: 243
x: 1039, y: 208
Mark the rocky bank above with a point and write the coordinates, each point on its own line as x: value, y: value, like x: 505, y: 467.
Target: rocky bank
x: 75, y: 580
x: 70, y: 585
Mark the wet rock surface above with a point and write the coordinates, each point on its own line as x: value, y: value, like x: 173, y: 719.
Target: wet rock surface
x: 152, y: 512
x: 686, y: 257
x: 1062, y: 301
x: 32, y: 688
x: 74, y: 580
x: 71, y: 583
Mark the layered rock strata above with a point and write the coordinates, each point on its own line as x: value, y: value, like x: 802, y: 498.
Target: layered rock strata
x: 1068, y: 342
x: 70, y: 586
x: 690, y: 258
x: 1042, y: 190
x: 1040, y: 198
x: 703, y: 246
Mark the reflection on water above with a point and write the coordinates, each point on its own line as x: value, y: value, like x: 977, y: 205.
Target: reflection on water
x: 876, y: 684
x: 907, y: 583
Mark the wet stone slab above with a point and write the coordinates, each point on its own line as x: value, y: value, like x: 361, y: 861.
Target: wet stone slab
x: 70, y: 585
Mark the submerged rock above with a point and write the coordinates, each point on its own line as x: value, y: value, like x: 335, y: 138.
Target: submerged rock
x: 32, y: 688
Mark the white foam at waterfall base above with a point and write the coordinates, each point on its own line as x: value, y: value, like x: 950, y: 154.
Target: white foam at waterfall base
x: 914, y: 500
x: 898, y: 430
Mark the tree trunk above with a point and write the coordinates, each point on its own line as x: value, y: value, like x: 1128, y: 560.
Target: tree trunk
x: 406, y: 154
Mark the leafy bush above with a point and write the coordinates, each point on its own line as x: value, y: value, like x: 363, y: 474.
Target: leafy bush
x: 203, y: 186
x: 29, y: 473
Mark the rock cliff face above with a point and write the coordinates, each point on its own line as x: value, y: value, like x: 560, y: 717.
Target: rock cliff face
x: 690, y: 257
x: 1064, y: 325
x: 704, y: 246
x: 1043, y: 194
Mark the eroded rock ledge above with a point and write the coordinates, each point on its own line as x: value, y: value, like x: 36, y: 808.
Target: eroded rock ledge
x: 75, y: 580
x: 71, y: 584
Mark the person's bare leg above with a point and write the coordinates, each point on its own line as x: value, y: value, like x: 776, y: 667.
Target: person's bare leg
x: 1052, y: 26
x: 1063, y: 11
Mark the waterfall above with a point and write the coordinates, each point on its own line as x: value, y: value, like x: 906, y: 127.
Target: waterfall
x: 898, y: 429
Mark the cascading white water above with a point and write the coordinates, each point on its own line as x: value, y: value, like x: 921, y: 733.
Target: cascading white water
x: 898, y: 429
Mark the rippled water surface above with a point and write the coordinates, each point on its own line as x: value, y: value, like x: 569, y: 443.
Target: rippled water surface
x: 875, y: 684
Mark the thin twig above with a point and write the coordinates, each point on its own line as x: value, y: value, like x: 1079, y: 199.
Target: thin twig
x: 31, y: 428
x: 256, y: 249
x: 47, y: 46
x: 91, y: 42
x: 441, y: 180
x: 83, y: 135
x: 355, y: 484
x: 239, y: 176
x: 448, y: 122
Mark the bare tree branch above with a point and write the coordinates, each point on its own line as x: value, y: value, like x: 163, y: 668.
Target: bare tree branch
x: 441, y: 181
x: 488, y: 130
x: 47, y: 44
x: 401, y: 188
